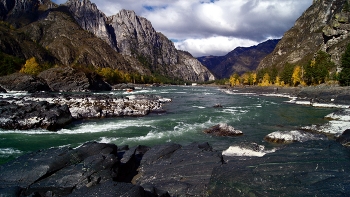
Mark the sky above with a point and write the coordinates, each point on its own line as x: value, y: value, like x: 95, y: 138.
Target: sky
x: 213, y: 27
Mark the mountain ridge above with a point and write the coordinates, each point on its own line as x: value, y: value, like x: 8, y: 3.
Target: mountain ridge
x: 239, y: 60
x: 324, y: 26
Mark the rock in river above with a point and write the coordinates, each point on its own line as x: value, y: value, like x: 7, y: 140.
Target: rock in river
x: 223, y: 130
x: 25, y: 115
x: 292, y: 136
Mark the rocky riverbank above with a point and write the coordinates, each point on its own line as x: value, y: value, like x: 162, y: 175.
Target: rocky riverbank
x: 328, y: 94
x: 321, y: 168
x: 53, y: 111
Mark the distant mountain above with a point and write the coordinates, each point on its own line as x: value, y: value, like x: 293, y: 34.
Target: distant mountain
x: 240, y: 60
x: 324, y: 26
x: 77, y: 33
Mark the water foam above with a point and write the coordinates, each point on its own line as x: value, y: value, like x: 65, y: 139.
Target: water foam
x: 93, y: 127
x: 6, y: 152
x: 340, y: 121
x: 239, y: 151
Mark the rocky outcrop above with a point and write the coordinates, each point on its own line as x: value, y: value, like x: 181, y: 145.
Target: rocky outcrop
x: 240, y: 60
x: 21, y: 13
x: 323, y: 26
x: 223, y: 130
x: 344, y: 138
x: 82, y: 171
x: 86, y: 106
x: 23, y: 82
x: 103, y: 168
x: 299, y: 169
x: 68, y: 79
x: 33, y: 115
x: 2, y: 90
x: 134, y: 36
x: 183, y: 171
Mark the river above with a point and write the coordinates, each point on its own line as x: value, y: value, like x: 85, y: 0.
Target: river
x: 190, y: 112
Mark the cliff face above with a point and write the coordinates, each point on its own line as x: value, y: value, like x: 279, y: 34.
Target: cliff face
x: 134, y: 36
x: 323, y: 26
x: 240, y: 60
x: 22, y: 12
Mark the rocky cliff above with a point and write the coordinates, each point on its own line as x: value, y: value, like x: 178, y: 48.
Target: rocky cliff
x: 134, y: 36
x: 240, y: 60
x: 323, y: 26
x: 77, y: 33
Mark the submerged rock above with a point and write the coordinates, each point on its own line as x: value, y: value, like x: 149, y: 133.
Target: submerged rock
x: 292, y: 136
x: 223, y: 130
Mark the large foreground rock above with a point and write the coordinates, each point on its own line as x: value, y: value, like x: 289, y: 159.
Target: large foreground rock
x: 182, y: 171
x: 32, y: 115
x: 88, y: 170
x: 68, y: 79
x: 312, y: 168
x: 23, y: 82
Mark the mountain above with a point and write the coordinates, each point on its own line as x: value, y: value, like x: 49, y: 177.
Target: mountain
x: 324, y: 26
x: 240, y: 60
x: 77, y: 33
x: 134, y: 36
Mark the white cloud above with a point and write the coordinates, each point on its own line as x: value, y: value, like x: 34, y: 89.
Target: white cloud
x: 218, y: 45
x: 212, y: 26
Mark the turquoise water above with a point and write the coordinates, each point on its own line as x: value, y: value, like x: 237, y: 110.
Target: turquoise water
x: 190, y: 112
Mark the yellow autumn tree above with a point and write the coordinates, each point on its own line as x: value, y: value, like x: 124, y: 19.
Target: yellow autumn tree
x: 31, y: 67
x: 234, y: 79
x: 246, y: 78
x: 266, y: 80
x: 254, y: 77
x: 296, y: 76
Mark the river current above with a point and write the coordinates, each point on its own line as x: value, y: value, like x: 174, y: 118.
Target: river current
x: 190, y: 112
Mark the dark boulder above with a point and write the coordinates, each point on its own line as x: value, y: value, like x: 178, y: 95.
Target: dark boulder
x: 317, y: 168
x: 23, y: 82
x: 181, y: 171
x: 68, y: 79
x: 2, y: 90
x: 24, y: 115
x: 124, y: 86
x: 110, y: 189
x: 59, y: 171
x: 344, y: 138
x: 223, y: 130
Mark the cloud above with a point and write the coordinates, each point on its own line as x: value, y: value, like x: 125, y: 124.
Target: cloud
x: 212, y: 26
x: 218, y: 45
